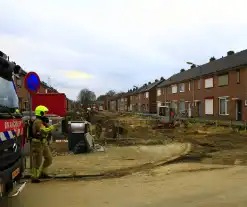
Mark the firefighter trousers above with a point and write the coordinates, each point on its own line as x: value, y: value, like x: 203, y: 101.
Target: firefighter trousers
x: 39, y: 150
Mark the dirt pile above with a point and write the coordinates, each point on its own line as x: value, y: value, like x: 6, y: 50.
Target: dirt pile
x: 211, y: 143
x: 215, y: 146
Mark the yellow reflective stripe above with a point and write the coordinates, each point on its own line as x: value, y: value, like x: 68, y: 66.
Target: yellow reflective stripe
x: 35, y: 140
x: 47, y: 129
x: 35, y: 173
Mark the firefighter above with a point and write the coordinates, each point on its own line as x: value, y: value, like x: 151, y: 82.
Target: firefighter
x: 39, y: 144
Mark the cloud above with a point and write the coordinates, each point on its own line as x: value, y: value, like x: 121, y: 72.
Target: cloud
x: 119, y: 43
x: 78, y: 75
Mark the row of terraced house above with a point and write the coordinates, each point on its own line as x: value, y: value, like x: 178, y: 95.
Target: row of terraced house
x: 215, y: 90
x: 23, y: 93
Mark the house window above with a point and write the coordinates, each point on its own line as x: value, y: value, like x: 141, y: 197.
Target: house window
x: 158, y: 92
x: 223, y: 102
x: 199, y: 84
x: 223, y: 80
x: 189, y: 86
x: 238, y: 76
x: 209, y: 83
x: 174, y: 89
x: 209, y: 106
x: 181, y: 87
x: 146, y: 94
x: 131, y: 98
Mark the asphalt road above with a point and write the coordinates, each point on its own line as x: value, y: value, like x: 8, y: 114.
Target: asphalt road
x: 166, y: 186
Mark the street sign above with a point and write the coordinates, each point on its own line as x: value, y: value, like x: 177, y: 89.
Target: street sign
x: 32, y: 82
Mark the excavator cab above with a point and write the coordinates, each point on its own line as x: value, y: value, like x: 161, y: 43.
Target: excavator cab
x: 167, y: 115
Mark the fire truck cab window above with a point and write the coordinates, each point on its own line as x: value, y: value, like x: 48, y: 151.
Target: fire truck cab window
x: 8, y: 96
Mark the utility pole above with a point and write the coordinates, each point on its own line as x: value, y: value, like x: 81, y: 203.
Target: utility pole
x: 194, y: 85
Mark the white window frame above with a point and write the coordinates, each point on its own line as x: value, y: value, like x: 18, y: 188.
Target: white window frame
x: 189, y: 86
x: 209, y: 82
x: 209, y: 111
x: 226, y: 105
x: 147, y: 94
x: 183, y: 87
x: 174, y: 88
x: 158, y: 92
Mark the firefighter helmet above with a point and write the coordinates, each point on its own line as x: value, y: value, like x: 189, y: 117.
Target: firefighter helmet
x: 41, y: 110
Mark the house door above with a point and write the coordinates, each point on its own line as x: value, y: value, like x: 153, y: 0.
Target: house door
x: 238, y: 110
x: 189, y: 109
x: 199, y: 108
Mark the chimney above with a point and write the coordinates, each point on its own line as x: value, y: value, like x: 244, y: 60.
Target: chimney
x: 212, y: 59
x: 193, y: 66
x: 230, y: 53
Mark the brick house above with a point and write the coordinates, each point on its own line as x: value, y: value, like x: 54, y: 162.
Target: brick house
x: 120, y: 102
x: 23, y: 93
x: 113, y: 103
x: 148, y: 97
x: 126, y: 97
x: 135, y: 97
x: 144, y: 99
x: 69, y: 104
x: 215, y: 90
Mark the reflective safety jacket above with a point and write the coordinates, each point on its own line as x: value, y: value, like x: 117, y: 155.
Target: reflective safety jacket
x: 40, y: 131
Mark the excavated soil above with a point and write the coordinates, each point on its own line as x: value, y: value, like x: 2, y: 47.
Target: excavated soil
x: 210, y: 144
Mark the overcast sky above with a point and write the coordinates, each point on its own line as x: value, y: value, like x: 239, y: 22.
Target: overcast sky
x: 115, y: 44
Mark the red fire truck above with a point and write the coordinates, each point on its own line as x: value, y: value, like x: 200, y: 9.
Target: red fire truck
x: 11, y: 132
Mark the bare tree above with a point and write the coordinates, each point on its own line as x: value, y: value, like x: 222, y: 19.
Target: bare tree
x: 86, y: 97
x: 110, y: 93
x: 101, y: 98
